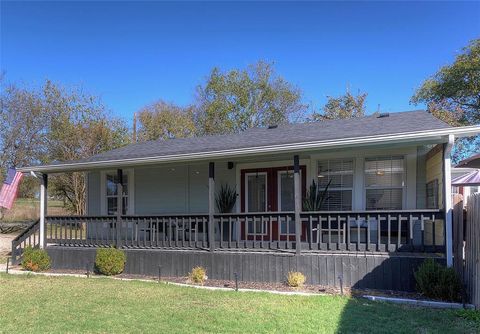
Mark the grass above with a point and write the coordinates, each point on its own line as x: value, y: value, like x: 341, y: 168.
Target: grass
x: 28, y: 209
x: 39, y: 304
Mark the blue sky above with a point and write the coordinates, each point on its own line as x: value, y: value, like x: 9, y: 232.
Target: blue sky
x: 133, y: 53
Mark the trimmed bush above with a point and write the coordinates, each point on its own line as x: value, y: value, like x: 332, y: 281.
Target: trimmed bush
x: 110, y: 261
x: 198, y: 275
x: 438, y: 282
x: 295, y: 279
x: 35, y: 259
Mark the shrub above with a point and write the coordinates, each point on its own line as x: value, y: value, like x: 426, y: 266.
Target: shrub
x: 35, y: 259
x: 110, y: 261
x: 295, y: 279
x: 198, y: 275
x: 438, y: 282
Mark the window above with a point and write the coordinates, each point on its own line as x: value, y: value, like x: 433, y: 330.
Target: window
x: 256, y: 192
x: 432, y: 194
x: 340, y: 175
x: 384, y: 183
x: 286, y: 199
x: 256, y: 200
x: 111, y: 193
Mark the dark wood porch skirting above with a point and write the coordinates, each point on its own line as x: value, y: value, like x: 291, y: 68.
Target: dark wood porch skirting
x: 359, y: 270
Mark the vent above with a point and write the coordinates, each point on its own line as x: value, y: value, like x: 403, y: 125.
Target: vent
x: 383, y: 115
x: 274, y: 126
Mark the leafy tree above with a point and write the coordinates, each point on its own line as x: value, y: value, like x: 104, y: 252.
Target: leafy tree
x: 233, y: 101
x: 344, y: 106
x: 22, y: 132
x: 55, y: 124
x: 453, y: 95
x: 162, y: 120
x: 79, y: 128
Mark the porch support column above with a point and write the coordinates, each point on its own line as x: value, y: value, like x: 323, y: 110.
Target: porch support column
x: 211, y: 206
x: 43, y: 208
x: 447, y: 192
x: 298, y: 203
x: 119, y: 208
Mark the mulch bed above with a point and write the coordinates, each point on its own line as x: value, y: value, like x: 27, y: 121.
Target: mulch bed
x: 268, y: 286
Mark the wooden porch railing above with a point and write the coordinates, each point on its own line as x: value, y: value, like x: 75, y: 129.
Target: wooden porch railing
x: 29, y: 237
x: 372, y: 231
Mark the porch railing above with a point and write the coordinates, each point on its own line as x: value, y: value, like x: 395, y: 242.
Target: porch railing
x: 28, y: 238
x: 374, y: 231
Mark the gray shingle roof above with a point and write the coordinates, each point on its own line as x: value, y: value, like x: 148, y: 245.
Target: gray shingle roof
x: 399, y: 122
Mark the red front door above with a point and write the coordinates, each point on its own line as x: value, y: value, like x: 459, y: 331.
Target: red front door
x: 268, y: 190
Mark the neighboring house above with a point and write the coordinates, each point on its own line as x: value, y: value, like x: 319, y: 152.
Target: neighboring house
x: 465, y: 191
x: 384, y: 213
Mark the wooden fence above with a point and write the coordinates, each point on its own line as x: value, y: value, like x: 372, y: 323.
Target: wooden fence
x: 472, y: 250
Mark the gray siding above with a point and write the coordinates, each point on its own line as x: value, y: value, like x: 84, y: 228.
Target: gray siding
x: 177, y: 189
x: 422, y: 177
x: 160, y: 190
x: 166, y: 189
x: 93, y: 196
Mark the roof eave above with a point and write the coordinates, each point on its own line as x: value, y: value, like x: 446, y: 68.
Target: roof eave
x: 438, y: 134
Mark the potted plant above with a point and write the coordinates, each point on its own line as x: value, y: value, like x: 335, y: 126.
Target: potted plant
x: 225, y: 200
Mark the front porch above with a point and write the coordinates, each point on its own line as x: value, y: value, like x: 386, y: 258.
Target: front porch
x: 365, y: 231
x: 378, y: 201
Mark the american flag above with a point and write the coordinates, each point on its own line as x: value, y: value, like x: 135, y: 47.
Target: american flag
x: 10, y: 188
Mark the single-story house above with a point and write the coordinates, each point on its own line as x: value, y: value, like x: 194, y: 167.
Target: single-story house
x: 383, y: 205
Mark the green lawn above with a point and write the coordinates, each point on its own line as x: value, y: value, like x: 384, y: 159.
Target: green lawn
x: 39, y: 304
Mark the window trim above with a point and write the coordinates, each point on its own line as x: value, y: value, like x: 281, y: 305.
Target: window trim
x: 404, y: 179
x: 131, y: 190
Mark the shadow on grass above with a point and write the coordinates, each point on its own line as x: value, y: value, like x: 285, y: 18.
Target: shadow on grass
x: 362, y: 316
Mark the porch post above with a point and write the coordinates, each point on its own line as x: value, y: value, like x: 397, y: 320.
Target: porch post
x: 447, y: 191
x: 298, y: 203
x: 211, y: 205
x: 43, y: 208
x: 119, y: 208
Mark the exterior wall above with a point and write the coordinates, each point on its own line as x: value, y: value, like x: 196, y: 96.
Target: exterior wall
x: 422, y: 177
x: 93, y: 193
x: 165, y: 189
x: 358, y: 270
x: 434, y: 170
x: 175, y: 188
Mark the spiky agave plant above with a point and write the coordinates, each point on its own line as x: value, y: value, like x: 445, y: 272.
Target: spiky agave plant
x: 226, y: 198
x: 315, y: 197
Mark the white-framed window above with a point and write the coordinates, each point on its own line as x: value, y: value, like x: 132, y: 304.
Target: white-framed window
x: 384, y: 183
x: 256, y: 199
x: 338, y: 175
x: 109, y: 192
x: 286, y: 198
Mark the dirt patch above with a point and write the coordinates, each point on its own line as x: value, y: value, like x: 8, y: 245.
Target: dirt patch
x: 5, y: 245
x: 270, y: 286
